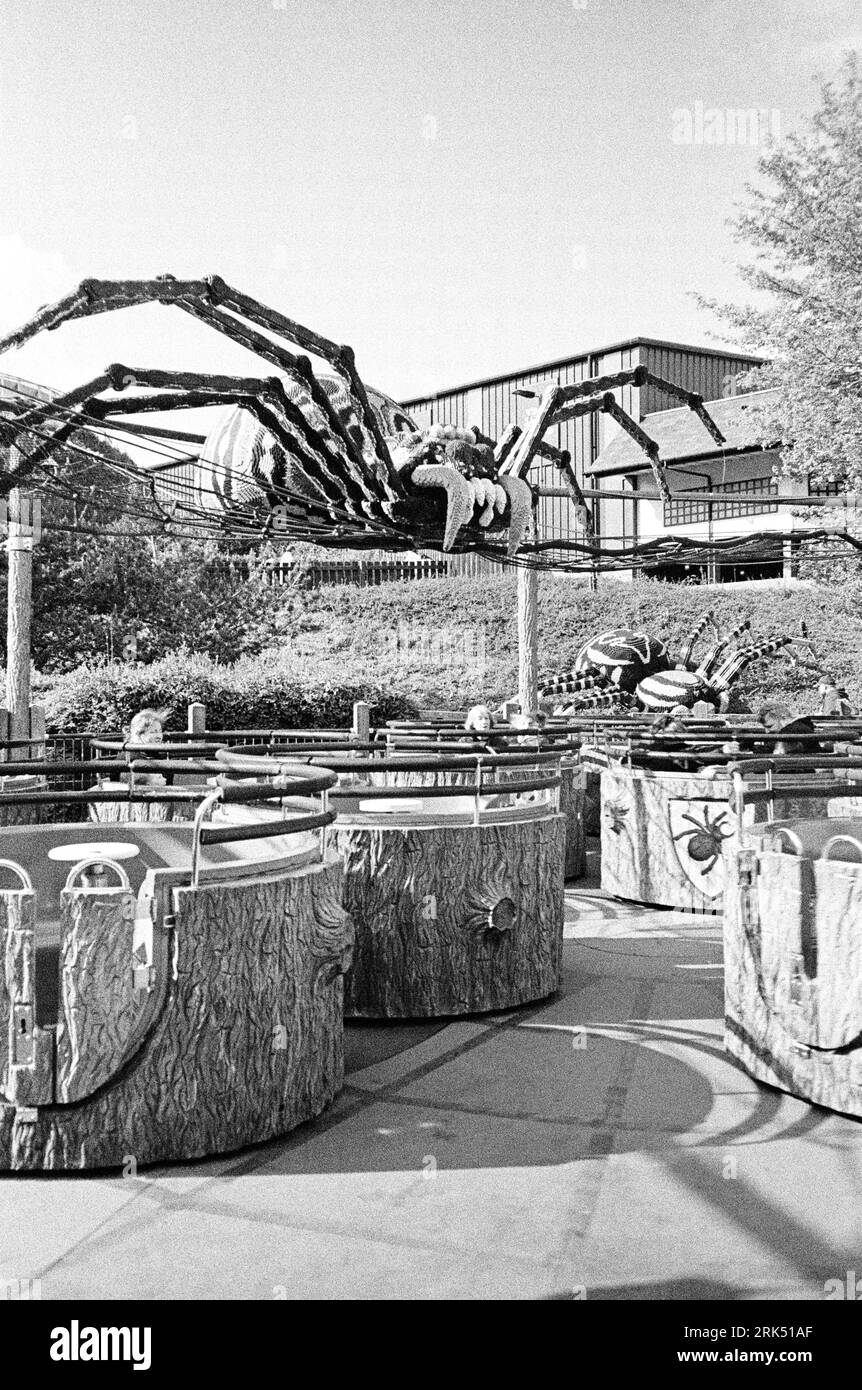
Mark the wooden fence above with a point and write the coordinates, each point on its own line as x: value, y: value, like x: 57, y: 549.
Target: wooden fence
x: 359, y: 572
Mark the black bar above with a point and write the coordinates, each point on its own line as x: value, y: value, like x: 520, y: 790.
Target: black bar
x: 216, y: 835
x: 458, y: 789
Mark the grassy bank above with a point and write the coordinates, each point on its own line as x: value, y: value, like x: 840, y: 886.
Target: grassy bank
x: 387, y: 635
x: 451, y: 643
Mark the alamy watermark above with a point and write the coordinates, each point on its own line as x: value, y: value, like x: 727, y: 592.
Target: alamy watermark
x: 409, y: 643
x: 849, y: 1288
x: 20, y: 1290
x: 715, y: 125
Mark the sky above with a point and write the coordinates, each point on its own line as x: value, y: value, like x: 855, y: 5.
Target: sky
x: 454, y: 188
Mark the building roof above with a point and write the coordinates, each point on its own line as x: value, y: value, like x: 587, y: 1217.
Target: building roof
x: 14, y: 389
x: 579, y: 357
x: 682, y: 438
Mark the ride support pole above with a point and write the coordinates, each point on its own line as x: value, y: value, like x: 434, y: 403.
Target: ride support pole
x: 19, y: 607
x: 528, y: 638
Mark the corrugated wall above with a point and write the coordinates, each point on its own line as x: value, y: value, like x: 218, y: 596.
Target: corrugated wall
x: 713, y: 376
x: 493, y: 406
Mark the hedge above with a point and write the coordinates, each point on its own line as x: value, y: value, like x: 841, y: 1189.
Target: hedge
x: 254, y: 693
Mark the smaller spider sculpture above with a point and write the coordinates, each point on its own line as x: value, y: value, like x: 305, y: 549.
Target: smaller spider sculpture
x: 642, y: 677
x: 705, y: 838
x: 612, y: 662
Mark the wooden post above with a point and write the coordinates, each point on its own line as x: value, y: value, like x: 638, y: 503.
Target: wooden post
x: 361, y: 722
x: 528, y: 638
x: 197, y: 718
x: 19, y: 609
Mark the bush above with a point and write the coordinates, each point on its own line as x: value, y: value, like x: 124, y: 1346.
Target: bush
x: 253, y: 693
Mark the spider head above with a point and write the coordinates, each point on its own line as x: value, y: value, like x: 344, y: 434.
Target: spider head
x: 463, y: 466
x: 447, y: 446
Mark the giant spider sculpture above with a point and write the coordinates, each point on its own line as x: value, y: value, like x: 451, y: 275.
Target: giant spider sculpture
x: 631, y: 670
x: 321, y: 457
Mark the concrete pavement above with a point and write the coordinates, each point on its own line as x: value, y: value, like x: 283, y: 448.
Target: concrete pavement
x: 597, y: 1145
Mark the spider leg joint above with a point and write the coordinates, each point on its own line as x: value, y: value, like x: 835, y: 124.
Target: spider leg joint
x: 215, y: 288
x: 119, y: 377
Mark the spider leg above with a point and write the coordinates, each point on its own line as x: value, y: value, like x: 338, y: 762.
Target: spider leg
x: 313, y: 449
x: 521, y: 457
x: 341, y: 357
x: 602, y: 699
x: 710, y: 661
x: 300, y: 372
x: 569, y: 684
x: 188, y: 390
x: 203, y: 299
x: 691, y: 642
x: 734, y: 665
x: 716, y: 825
x: 554, y: 409
x: 505, y: 444
x: 563, y: 460
x: 328, y: 496
x: 697, y: 829
x: 693, y: 820
x: 690, y: 398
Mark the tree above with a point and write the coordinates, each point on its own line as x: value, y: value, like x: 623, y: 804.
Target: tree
x: 112, y: 581
x: 804, y: 228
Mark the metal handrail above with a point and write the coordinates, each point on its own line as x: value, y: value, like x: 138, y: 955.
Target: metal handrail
x: 25, y: 878
x: 841, y: 840
x: 247, y: 760
x: 477, y: 788
x: 98, y: 861
x: 298, y: 782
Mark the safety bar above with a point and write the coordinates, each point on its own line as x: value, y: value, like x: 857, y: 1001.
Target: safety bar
x: 263, y: 830
x: 183, y: 750
x: 479, y: 787
x: 800, y: 791
x: 99, y: 794
x: 97, y: 863
x: 308, y: 782
x: 842, y: 840
x: 445, y: 763
x: 457, y: 732
x: 290, y: 781
x: 794, y: 839
x: 698, y: 749
x: 100, y: 766
x: 745, y: 795
x: 26, y: 881
x: 796, y: 762
x: 247, y: 760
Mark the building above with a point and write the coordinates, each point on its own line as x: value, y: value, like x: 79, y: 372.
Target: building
x: 732, y: 482
x: 492, y: 403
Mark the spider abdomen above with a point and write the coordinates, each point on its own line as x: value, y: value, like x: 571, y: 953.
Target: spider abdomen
x: 701, y: 846
x: 666, y: 689
x: 622, y: 656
